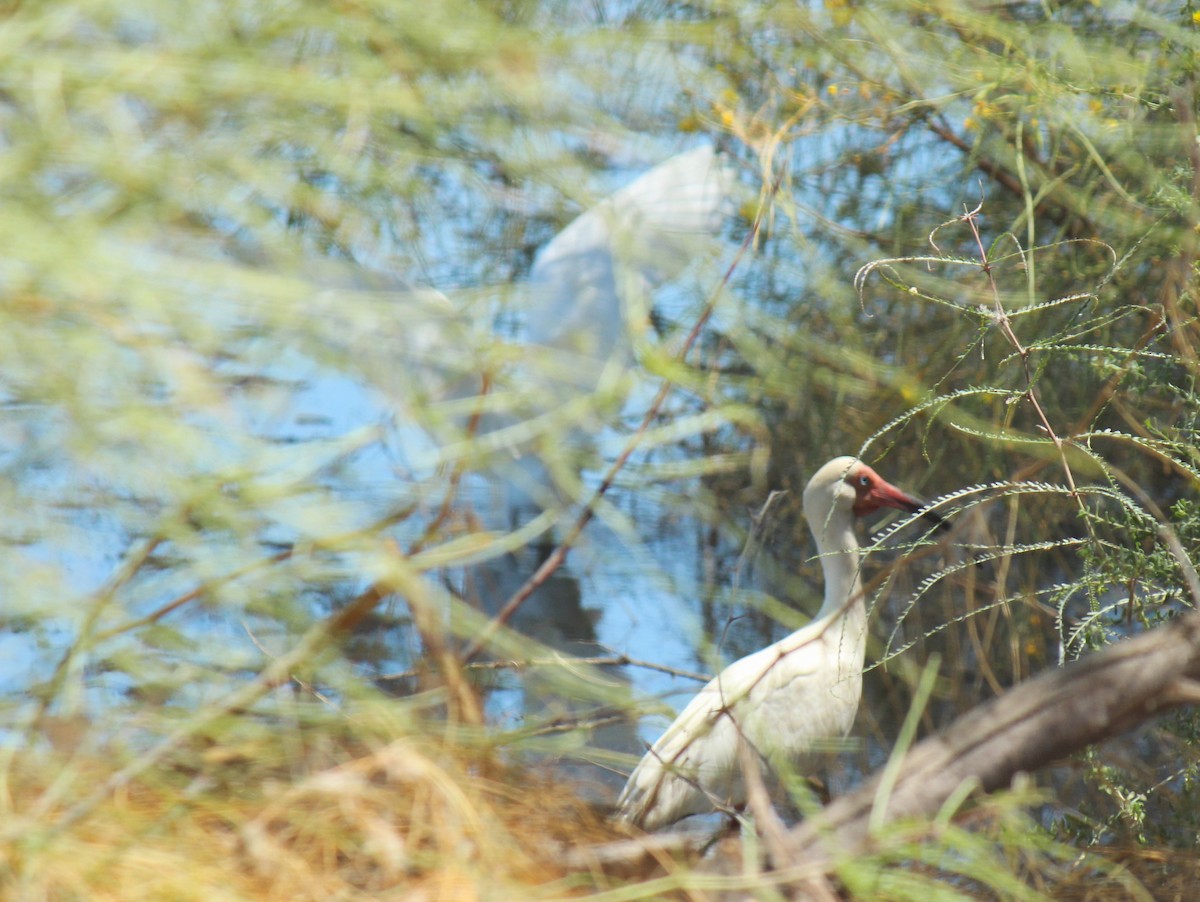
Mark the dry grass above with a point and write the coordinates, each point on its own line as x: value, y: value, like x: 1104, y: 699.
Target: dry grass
x: 409, y: 816
x: 306, y: 813
x: 1166, y: 875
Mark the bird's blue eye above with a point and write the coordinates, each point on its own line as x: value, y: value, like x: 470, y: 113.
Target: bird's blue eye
x: 864, y: 481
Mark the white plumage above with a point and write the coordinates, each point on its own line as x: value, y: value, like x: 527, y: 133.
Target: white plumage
x: 612, y: 255
x: 786, y: 697
x: 589, y: 294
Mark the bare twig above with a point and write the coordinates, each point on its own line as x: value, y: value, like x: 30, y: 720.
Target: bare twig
x: 209, y: 586
x: 971, y: 217
x: 447, y: 507
x: 100, y: 601
x: 758, y: 800
x: 629, y: 856
x: 758, y: 525
x: 613, y: 660
x: 1179, y: 272
x: 464, y: 701
x: 586, y: 722
x: 275, y: 674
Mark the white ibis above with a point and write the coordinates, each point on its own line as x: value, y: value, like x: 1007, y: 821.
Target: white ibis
x: 783, y: 698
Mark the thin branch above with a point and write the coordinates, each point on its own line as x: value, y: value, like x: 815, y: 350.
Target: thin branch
x: 275, y: 674
x: 447, y: 507
x: 971, y: 217
x: 210, y: 585
x: 86, y: 639
x: 758, y: 800
x: 613, y: 660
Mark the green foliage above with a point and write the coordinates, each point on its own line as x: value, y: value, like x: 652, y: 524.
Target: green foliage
x: 244, y: 443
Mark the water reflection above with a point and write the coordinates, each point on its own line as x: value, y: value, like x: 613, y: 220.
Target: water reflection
x: 555, y: 617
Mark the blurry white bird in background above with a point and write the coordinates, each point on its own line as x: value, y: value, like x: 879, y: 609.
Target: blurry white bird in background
x: 589, y: 288
x: 784, y: 698
x: 588, y: 298
x: 586, y: 281
x: 589, y: 295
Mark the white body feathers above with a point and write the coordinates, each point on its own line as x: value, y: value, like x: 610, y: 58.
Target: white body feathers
x: 784, y: 698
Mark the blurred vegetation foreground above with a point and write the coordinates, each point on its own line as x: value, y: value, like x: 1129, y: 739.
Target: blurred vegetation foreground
x: 287, y: 418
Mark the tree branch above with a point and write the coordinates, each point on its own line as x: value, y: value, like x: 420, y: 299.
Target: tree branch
x: 1029, y: 727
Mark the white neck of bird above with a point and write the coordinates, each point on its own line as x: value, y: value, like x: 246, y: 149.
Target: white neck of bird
x: 837, y: 547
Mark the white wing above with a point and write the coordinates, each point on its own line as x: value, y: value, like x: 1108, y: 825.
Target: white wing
x: 583, y: 285
x: 638, y: 238
x: 782, y: 699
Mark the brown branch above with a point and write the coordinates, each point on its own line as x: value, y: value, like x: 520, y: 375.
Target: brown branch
x: 208, y: 586
x: 562, y: 660
x: 1000, y: 316
x: 447, y: 508
x: 278, y: 672
x: 1029, y: 727
x: 559, y: 555
x: 464, y: 703
x: 985, y: 165
x: 86, y: 638
x: 814, y: 886
x: 1074, y: 221
x: 1179, y: 270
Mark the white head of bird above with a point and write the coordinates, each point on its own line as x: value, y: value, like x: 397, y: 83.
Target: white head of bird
x: 840, y: 491
x: 784, y: 698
